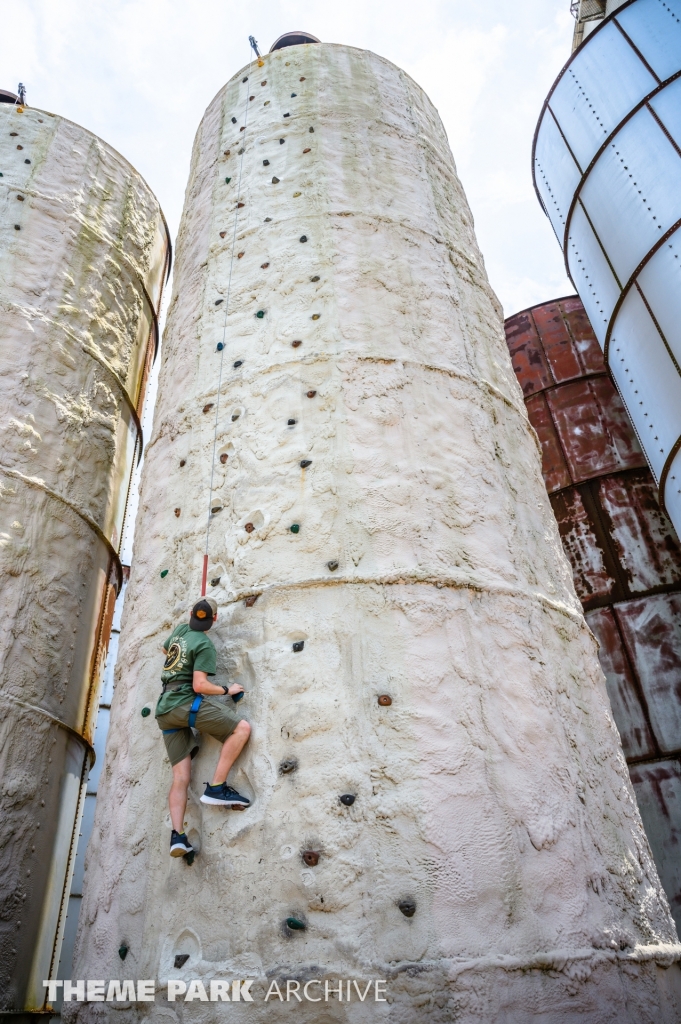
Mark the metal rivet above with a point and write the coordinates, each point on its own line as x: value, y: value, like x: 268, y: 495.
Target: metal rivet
x: 177, y: 512
x: 249, y: 527
x: 304, y: 463
x: 275, y: 180
x: 286, y: 767
x: 164, y: 573
x: 385, y: 700
x: 408, y: 907
x: 224, y: 457
x: 215, y: 581
x: 296, y: 344
x: 294, y: 527
x: 303, y: 238
x: 250, y: 600
x: 238, y: 363
x: 122, y: 952
x: 296, y: 924
x: 311, y: 858
x: 260, y: 314
x: 145, y: 712
x: 348, y: 799
x: 332, y: 565
x: 311, y: 394
x: 298, y: 645
x: 208, y: 406
x: 180, y: 960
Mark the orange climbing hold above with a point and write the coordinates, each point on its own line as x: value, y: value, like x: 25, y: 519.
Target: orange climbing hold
x: 239, y: 255
x: 208, y: 406
x: 177, y: 512
x: 308, y: 150
x: 264, y: 266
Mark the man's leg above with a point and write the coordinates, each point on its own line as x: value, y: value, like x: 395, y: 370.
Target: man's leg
x: 177, y: 798
x: 231, y: 749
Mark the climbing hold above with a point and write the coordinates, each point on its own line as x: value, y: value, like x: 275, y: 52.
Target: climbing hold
x: 20, y: 199
x: 227, y: 181
x: 287, y: 115
x: 408, y: 907
x: 222, y: 234
x: 267, y: 220
x: 13, y: 134
x: 332, y: 565
x: 208, y: 406
x: 233, y: 120
x: 218, y: 301
x: 275, y: 180
x: 264, y: 266
x: 145, y: 712
x: 264, y: 83
x: 240, y: 255
x: 293, y: 94
x: 385, y: 700
x: 188, y: 858
x: 236, y: 697
x: 183, y: 462
x: 291, y: 423
x: 224, y: 457
x: 308, y: 150
x: 216, y: 508
x: 17, y: 227
x: 303, y: 238
x: 295, y: 924
x: 249, y: 527
x: 310, y: 129
x: 178, y: 512
x: 164, y: 573
x: 266, y: 163
x: 180, y: 960
x: 311, y: 394
x: 260, y: 314
x: 316, y: 316
x: 239, y: 205
x: 296, y: 194
x: 244, y: 79
x: 298, y: 645
x: 261, y: 64
x: 219, y: 346
x: 240, y: 151
x: 315, y: 279
x: 20, y: 147
x: 227, y: 152
x: 215, y: 581
x: 282, y: 141
x: 250, y: 600
x: 238, y: 363
x: 302, y: 79
x: 243, y: 128
x: 304, y: 463
x: 251, y: 97
x: 266, y: 103
x: 296, y: 344
x: 235, y: 416
x: 348, y: 799
x: 286, y: 767
x: 27, y: 161
x: 311, y: 858
x: 294, y: 528
x: 122, y: 952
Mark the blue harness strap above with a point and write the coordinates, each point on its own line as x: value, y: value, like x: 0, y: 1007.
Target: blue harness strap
x: 193, y: 711
x: 167, y: 731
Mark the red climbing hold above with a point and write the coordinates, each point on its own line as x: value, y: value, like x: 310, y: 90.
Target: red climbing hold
x: 249, y: 527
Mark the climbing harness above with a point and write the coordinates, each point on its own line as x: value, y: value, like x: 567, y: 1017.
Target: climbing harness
x: 239, y: 205
x: 193, y: 712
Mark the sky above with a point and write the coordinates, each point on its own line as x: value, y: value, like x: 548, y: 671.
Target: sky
x: 140, y: 74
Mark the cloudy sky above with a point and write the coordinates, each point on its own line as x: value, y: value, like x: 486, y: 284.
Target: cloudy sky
x: 140, y: 74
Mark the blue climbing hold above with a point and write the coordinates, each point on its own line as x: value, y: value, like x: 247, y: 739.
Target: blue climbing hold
x: 220, y: 346
x: 260, y: 314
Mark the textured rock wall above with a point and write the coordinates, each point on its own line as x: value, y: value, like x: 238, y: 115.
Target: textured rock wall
x: 81, y: 236
x: 492, y: 792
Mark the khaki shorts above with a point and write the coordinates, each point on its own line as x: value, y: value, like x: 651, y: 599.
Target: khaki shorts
x: 213, y: 718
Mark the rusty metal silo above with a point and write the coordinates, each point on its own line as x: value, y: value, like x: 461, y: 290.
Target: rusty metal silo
x: 624, y: 551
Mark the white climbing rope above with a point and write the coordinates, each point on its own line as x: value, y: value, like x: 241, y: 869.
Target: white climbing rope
x: 224, y: 333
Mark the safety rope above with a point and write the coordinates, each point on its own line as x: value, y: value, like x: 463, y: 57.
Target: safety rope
x: 204, y: 575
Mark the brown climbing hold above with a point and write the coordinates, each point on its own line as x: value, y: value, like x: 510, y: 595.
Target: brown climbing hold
x: 239, y: 255
x: 264, y: 83
x: 243, y: 129
x: 308, y: 150
x: 251, y: 97
x: 311, y: 394
x: 227, y: 152
x: 177, y: 512
x: 296, y: 344
x: 239, y: 205
x: 264, y: 266
x: 224, y: 457
x: 315, y: 279
x: 250, y: 600
x: 385, y: 700
x: 315, y: 316
x: 14, y: 133
x: 215, y: 581
x: 20, y: 147
x: 208, y: 406
x: 222, y: 234
x: 310, y: 129
x: 311, y: 858
x: 183, y: 462
x: 302, y: 79
x: 275, y: 180
x: 296, y: 194
x: 408, y: 907
x: 249, y: 527
x: 20, y: 199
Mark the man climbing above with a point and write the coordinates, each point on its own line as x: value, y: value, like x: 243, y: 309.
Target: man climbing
x: 189, y: 700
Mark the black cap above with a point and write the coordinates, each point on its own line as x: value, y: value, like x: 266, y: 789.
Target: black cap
x: 203, y: 613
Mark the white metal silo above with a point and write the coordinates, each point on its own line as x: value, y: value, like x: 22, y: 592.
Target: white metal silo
x: 492, y: 864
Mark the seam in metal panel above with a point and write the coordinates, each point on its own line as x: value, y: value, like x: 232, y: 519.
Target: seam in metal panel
x: 636, y: 50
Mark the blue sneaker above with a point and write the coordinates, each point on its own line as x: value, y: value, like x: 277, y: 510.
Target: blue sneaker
x: 224, y: 796
x: 179, y: 844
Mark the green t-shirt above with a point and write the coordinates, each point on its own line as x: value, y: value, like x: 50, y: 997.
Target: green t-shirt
x: 188, y: 651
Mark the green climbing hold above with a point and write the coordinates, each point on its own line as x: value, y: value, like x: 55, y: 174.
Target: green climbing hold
x: 146, y: 712
x: 122, y: 952
x: 164, y: 573
x: 295, y: 527
x: 260, y: 314
x: 227, y: 181
x: 295, y: 924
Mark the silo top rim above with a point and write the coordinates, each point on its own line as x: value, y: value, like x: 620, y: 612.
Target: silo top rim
x: 8, y: 97
x: 293, y: 39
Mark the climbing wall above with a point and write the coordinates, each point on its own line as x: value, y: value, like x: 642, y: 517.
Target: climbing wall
x: 83, y: 250
x: 439, y: 793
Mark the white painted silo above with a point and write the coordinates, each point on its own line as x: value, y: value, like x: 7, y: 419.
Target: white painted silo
x: 492, y: 865
x: 83, y: 255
